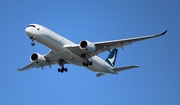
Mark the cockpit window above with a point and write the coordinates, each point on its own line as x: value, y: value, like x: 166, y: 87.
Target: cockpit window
x: 31, y: 26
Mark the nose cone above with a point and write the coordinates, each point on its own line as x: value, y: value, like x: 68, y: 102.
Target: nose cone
x: 28, y: 31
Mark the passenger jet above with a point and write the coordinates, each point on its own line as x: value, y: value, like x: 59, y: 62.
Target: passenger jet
x: 64, y: 51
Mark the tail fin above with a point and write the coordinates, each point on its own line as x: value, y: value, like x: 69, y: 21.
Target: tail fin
x: 112, y: 57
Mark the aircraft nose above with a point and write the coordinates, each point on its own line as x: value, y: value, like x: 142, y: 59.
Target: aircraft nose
x: 28, y: 31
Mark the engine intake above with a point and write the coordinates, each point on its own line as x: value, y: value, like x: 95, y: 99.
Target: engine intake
x: 38, y: 59
x: 87, y: 46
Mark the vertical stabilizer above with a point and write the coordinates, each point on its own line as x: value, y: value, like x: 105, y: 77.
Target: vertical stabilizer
x: 111, y: 59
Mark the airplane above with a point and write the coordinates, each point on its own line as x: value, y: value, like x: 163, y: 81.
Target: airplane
x: 64, y: 51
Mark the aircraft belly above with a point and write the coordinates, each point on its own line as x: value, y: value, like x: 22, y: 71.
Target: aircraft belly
x: 72, y: 58
x: 95, y: 68
x: 52, y: 44
x: 67, y: 55
x: 58, y: 48
x: 97, y: 65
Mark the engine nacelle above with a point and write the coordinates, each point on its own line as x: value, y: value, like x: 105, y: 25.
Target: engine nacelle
x: 38, y: 59
x: 87, y: 46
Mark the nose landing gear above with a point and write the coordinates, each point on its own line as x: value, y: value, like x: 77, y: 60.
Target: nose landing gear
x: 33, y: 42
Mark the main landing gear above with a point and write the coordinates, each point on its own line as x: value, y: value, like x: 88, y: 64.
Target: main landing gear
x: 86, y: 62
x: 33, y: 42
x: 62, y: 69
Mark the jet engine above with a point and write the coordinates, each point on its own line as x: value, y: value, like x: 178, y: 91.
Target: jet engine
x: 87, y: 46
x: 38, y: 59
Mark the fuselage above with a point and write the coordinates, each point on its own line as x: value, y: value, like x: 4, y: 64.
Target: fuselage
x: 57, y: 44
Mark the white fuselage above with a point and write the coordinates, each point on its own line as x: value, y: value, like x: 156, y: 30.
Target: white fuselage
x: 56, y: 43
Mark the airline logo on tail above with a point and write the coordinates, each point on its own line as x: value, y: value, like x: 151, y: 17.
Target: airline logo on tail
x: 112, y: 57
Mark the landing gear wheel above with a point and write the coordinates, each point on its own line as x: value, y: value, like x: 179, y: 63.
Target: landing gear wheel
x: 65, y: 69
x: 84, y: 64
x: 62, y: 69
x: 87, y: 64
x: 59, y: 70
x: 87, y: 61
x: 32, y: 44
x: 90, y: 63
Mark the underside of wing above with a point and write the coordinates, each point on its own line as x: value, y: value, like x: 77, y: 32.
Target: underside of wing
x: 48, y: 59
x: 108, y: 45
x: 29, y: 66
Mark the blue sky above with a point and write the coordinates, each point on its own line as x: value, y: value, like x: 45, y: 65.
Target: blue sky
x: 156, y: 82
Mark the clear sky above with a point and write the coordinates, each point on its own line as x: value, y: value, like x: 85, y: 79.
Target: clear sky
x: 156, y: 82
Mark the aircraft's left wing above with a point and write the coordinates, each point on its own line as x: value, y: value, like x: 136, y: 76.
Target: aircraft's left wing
x: 108, y: 45
x: 51, y: 59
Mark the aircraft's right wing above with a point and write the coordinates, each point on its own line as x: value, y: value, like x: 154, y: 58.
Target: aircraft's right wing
x: 29, y: 66
x: 33, y: 65
x: 51, y: 59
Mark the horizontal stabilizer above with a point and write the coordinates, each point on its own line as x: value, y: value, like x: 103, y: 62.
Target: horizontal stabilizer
x: 124, y: 68
x: 100, y: 74
x: 118, y: 69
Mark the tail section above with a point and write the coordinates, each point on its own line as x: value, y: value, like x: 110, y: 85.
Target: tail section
x: 111, y: 59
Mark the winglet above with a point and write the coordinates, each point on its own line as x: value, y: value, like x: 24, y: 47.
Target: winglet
x: 164, y: 32
x: 18, y: 69
x: 157, y: 35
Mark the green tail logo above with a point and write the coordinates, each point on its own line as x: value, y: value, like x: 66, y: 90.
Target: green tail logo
x: 112, y: 57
